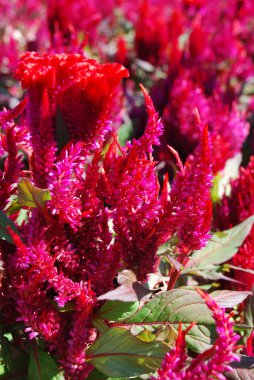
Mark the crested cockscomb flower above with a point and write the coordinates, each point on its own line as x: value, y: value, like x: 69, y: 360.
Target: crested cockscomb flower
x: 82, y: 89
x: 212, y: 363
x: 234, y: 209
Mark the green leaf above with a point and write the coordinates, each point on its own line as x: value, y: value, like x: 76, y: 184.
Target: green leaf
x: 42, y: 366
x: 215, y: 188
x: 230, y: 266
x: 117, y: 353
x: 100, y: 325
x: 146, y: 336
x: 223, y: 245
x: 30, y: 195
x: 221, y: 182
x: 14, y: 362
x: 96, y: 375
x: 179, y: 305
x: 209, y: 272
x: 125, y: 132
x: 13, y: 207
x: 4, y: 222
x: 144, y: 65
x: 117, y: 310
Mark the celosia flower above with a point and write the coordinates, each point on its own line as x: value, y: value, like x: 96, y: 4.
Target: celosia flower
x: 84, y: 92
x: 19, y: 25
x: 193, y: 214
x: 65, y: 185
x: 68, y: 16
x: 10, y: 140
x: 187, y: 214
x: 65, y: 257
x: 151, y: 34
x: 228, y: 128
x: 67, y: 254
x: 234, y: 209
x: 211, y: 363
x: 132, y: 191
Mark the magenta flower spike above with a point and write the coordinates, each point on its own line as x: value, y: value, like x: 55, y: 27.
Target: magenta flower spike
x: 194, y: 230
x: 234, y: 209
x: 133, y: 192
x: 10, y: 140
x: 191, y: 215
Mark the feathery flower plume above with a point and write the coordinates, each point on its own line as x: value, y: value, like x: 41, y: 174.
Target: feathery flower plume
x: 189, y: 211
x: 234, y: 209
x: 194, y: 213
x: 228, y: 128
x: 132, y: 192
x: 10, y: 138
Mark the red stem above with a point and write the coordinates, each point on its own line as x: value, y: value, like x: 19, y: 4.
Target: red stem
x: 174, y: 273
x: 173, y: 278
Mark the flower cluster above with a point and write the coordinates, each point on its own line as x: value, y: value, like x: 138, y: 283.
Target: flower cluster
x: 82, y: 199
x: 66, y: 254
x: 64, y: 245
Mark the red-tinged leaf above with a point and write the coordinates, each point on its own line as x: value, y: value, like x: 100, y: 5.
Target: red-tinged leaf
x: 241, y: 374
x: 126, y: 293
x: 129, y: 290
x: 214, y: 275
x: 243, y: 370
x: 245, y: 362
x: 229, y: 298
